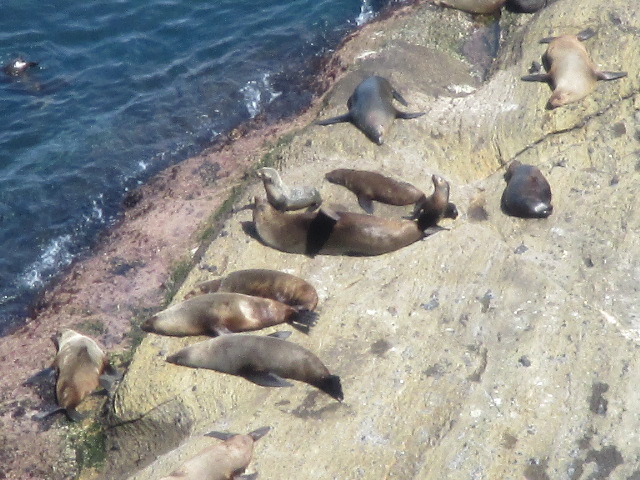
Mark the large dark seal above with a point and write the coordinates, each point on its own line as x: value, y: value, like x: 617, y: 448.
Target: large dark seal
x: 527, y: 194
x: 371, y: 108
x: 81, y: 366
x: 285, y: 198
x: 221, y: 313
x: 570, y: 71
x: 262, y: 282
x: 437, y: 206
x: 222, y: 461
x: 261, y: 360
x: 18, y: 66
x: 328, y: 232
x: 473, y: 6
x: 369, y: 186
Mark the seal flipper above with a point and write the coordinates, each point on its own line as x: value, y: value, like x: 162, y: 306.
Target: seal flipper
x: 610, y: 75
x: 339, y: 119
x: 586, y: 34
x: 366, y: 203
x: 331, y: 385
x: 74, y: 415
x: 259, y: 433
x: 109, y: 377
x: 42, y: 376
x: 265, y: 379
x: 407, y: 115
x: 281, y: 334
x: 304, y: 320
x: 48, y: 413
x: 248, y: 476
x: 399, y: 97
x: 536, y: 77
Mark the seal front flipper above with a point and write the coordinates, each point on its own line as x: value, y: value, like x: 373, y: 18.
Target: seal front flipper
x: 610, y: 75
x: 407, y: 115
x: 536, y: 77
x: 339, y: 119
x: 44, y: 375
x: 366, y: 203
x: 109, y: 377
x: 265, y: 379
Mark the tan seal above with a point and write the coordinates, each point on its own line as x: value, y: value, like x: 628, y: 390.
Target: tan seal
x: 570, y: 71
x: 261, y: 360
x: 221, y: 461
x: 371, y: 108
x: 262, y: 282
x: 286, y: 198
x: 473, y: 6
x: 528, y: 193
x: 220, y: 313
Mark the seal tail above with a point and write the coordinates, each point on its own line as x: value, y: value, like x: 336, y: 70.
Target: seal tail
x: 331, y: 385
x: 303, y: 320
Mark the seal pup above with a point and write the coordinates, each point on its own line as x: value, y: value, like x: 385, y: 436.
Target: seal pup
x: 371, y: 108
x: 570, y: 71
x: 527, y: 194
x: 220, y: 313
x: 285, y: 198
x: 222, y: 461
x: 81, y: 366
x: 473, y: 6
x: 18, y: 66
x: 369, y: 186
x: 437, y: 206
x: 265, y: 361
x: 262, y: 282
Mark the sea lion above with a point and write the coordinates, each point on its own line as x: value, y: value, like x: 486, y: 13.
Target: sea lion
x: 222, y: 461
x: 473, y: 6
x: 262, y: 360
x: 369, y: 186
x: 526, y: 6
x: 261, y: 282
x: 435, y: 207
x: 82, y: 366
x: 371, y: 108
x: 570, y: 71
x: 527, y: 194
x: 328, y: 232
x: 285, y: 198
x: 18, y: 66
x: 221, y: 313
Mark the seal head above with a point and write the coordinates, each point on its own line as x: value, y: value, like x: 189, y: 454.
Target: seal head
x: 18, y: 66
x: 527, y: 194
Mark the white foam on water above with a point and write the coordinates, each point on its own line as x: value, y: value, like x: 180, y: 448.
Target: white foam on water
x: 258, y: 93
x: 55, y: 256
x: 366, y: 13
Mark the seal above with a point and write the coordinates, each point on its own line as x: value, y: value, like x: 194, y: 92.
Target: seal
x: 262, y: 282
x: 285, y: 198
x: 221, y: 461
x: 369, y: 186
x: 570, y: 71
x: 18, y: 66
x: 434, y: 208
x: 328, y: 232
x: 264, y: 361
x: 527, y: 194
x: 221, y: 313
x: 81, y: 366
x: 473, y: 6
x: 526, y: 6
x: 371, y: 108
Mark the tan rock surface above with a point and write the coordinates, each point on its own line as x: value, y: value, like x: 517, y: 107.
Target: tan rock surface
x: 501, y: 348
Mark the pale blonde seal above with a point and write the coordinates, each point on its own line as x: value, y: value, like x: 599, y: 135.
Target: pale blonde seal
x: 286, y: 198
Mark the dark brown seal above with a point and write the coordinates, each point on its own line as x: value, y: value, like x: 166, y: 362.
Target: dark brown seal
x: 473, y: 6
x: 369, y: 186
x: 18, y: 66
x: 435, y: 207
x: 222, y: 461
x: 527, y: 194
x: 262, y: 282
x: 286, y: 198
x: 220, y: 313
x: 371, y: 108
x: 570, y: 71
x: 262, y: 360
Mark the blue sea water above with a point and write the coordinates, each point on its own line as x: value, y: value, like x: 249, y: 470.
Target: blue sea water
x: 124, y: 89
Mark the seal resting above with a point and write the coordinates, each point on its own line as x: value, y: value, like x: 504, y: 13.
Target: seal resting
x: 264, y: 361
x: 473, y: 6
x: 570, y: 71
x: 285, y: 198
x: 18, y: 66
x: 222, y: 461
x: 262, y: 282
x: 369, y: 186
x: 220, y: 313
x: 371, y: 108
x: 527, y: 194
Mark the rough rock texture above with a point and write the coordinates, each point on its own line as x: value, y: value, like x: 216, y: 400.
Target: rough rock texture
x: 501, y: 348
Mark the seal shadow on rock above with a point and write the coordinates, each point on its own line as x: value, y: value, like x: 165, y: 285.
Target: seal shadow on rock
x: 527, y: 194
x: 371, y: 108
x: 569, y: 69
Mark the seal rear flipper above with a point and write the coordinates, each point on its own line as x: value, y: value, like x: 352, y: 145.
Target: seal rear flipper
x: 320, y: 230
x: 281, y: 335
x: 408, y: 115
x: 331, y: 385
x: 266, y: 379
x: 224, y: 436
x: 431, y: 230
x: 304, y: 320
x: 399, y: 97
x: 74, y: 415
x: 610, y: 75
x: 339, y: 119
x: 536, y: 77
x: 48, y: 413
x: 248, y: 476
x: 109, y: 377
x: 366, y: 204
x: 259, y: 433
x: 586, y: 34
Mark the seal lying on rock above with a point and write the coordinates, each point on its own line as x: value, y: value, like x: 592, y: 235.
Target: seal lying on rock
x: 82, y: 366
x: 473, y: 6
x: 261, y: 282
x: 18, y: 66
x: 221, y: 313
x: 435, y: 207
x: 371, y: 108
x: 222, y: 461
x: 527, y: 194
x: 261, y: 360
x: 570, y: 71
x: 285, y: 198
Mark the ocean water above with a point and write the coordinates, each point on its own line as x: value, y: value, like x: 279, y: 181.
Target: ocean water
x: 124, y: 89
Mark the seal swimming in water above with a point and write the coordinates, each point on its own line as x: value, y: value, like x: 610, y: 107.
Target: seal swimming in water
x: 261, y: 360
x: 220, y: 313
x: 82, y: 366
x: 369, y: 186
x: 527, y: 194
x: 18, y: 66
x: 473, y: 6
x: 570, y: 71
x: 371, y: 108
x: 262, y: 282
x: 285, y: 198
x: 222, y: 461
